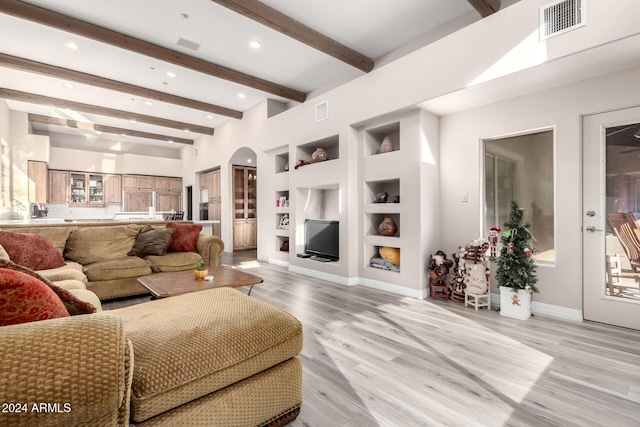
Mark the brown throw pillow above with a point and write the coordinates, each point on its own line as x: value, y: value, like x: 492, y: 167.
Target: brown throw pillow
x: 152, y: 241
x: 185, y: 237
x: 31, y: 250
x: 72, y: 304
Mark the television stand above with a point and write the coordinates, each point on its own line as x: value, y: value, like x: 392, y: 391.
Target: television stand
x: 319, y: 258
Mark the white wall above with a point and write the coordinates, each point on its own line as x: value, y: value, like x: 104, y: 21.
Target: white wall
x: 460, y: 150
x: 5, y: 136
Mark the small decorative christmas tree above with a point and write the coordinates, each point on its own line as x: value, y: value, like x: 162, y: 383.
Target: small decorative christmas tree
x: 516, y: 267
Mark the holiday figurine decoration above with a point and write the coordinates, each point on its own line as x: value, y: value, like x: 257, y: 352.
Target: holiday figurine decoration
x: 516, y: 268
x: 457, y: 283
x: 439, y: 267
x: 476, y: 267
x: 494, y: 238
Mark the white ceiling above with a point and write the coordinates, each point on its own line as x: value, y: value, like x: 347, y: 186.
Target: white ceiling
x: 374, y: 28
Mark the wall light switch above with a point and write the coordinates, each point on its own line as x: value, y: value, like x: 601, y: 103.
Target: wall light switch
x: 465, y: 197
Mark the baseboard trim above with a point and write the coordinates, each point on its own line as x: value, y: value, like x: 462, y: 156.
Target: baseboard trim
x: 333, y: 278
x: 547, y: 309
x: 278, y: 262
x: 391, y: 288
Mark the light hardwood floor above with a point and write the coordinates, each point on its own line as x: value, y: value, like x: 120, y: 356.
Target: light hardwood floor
x: 376, y: 359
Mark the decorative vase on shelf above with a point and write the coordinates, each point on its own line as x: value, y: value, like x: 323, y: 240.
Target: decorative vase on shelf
x: 387, y: 145
x: 320, y: 155
x: 387, y: 227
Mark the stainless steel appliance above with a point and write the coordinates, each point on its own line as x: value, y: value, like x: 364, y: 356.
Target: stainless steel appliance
x: 204, y: 211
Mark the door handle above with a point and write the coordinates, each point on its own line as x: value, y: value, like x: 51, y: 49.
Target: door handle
x: 591, y: 229
x: 591, y: 213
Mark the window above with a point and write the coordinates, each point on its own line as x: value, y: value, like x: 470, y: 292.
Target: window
x: 521, y: 168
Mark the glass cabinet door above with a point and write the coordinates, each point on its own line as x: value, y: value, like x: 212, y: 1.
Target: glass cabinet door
x: 78, y: 188
x: 96, y: 190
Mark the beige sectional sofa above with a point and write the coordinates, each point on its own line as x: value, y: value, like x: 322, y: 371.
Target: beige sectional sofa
x: 96, y: 254
x: 211, y: 358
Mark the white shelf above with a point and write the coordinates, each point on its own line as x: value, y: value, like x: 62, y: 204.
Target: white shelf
x: 374, y: 240
x: 282, y: 232
x: 382, y: 208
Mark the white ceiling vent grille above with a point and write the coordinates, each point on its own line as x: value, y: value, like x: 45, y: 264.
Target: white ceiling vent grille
x: 188, y: 44
x: 561, y: 16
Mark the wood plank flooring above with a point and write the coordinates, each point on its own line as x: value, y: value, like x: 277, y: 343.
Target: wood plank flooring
x: 376, y: 359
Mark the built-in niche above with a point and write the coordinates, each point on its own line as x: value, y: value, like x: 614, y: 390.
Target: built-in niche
x: 373, y: 139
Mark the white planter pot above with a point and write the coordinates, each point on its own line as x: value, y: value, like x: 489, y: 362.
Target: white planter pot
x: 516, y: 305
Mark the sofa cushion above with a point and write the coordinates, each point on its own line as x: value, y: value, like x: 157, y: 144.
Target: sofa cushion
x: 56, y: 235
x: 31, y: 250
x: 194, y: 344
x: 4, y: 256
x: 24, y: 298
x: 70, y: 271
x: 174, y: 261
x: 185, y: 237
x: 152, y: 241
x: 120, y: 268
x: 92, y: 244
x: 71, y: 303
x: 86, y: 296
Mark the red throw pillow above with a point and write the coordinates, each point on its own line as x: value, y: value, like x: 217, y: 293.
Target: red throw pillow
x: 73, y: 304
x: 185, y: 237
x: 23, y: 298
x: 31, y: 250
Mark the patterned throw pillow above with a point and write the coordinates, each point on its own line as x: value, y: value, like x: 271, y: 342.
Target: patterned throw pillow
x: 73, y: 304
x: 31, y: 250
x: 152, y: 241
x: 23, y: 298
x: 185, y: 237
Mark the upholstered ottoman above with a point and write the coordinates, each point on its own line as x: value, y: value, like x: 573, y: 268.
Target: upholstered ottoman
x: 213, y: 358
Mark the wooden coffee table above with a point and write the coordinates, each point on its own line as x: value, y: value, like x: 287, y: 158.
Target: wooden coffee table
x: 163, y: 285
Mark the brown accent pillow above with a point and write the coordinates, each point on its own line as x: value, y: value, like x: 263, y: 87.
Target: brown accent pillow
x: 24, y: 299
x: 31, y: 250
x: 185, y: 237
x: 72, y: 304
x: 152, y: 241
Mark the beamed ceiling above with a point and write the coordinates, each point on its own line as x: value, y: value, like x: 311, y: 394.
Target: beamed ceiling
x: 163, y: 72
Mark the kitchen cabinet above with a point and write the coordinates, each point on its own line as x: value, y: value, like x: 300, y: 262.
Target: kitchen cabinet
x: 87, y: 189
x: 167, y: 201
x: 244, y: 207
x: 160, y: 183
x: 58, y: 187
x: 175, y: 184
x: 137, y: 200
x: 245, y: 234
x: 37, y: 172
x: 215, y: 213
x: 113, y: 189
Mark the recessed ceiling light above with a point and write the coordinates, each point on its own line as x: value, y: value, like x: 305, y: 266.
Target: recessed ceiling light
x: 209, y: 116
x: 170, y: 142
x: 187, y: 131
x: 148, y: 103
x: 133, y: 121
x: 171, y: 74
x: 72, y: 45
x: 68, y: 85
x: 255, y: 44
x: 242, y: 95
x: 248, y: 160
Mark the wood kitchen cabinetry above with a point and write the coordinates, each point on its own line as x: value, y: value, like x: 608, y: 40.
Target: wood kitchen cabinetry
x: 58, y: 187
x: 137, y: 200
x: 37, y: 181
x: 167, y: 201
x: 245, y: 234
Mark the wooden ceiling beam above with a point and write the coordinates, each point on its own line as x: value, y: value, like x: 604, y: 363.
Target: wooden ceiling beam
x: 62, y: 22
x: 89, y: 79
x: 37, y: 118
x: 102, y: 111
x: 485, y: 7
x: 275, y: 20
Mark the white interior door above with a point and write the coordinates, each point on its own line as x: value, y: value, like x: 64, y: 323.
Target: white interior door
x: 610, y: 163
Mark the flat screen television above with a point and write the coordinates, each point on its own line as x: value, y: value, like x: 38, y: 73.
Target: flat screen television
x: 322, y: 238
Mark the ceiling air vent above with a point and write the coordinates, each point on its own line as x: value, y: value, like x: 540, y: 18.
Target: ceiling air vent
x: 562, y: 16
x: 188, y: 44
